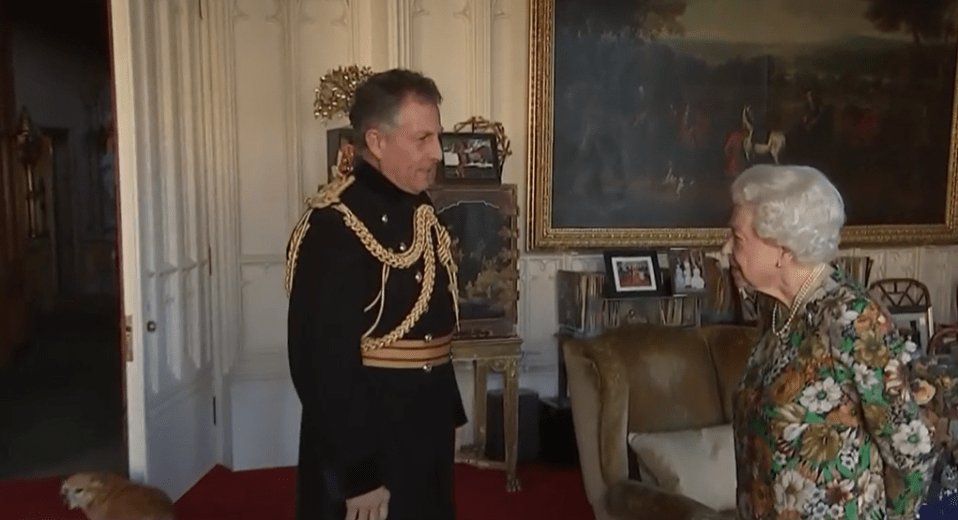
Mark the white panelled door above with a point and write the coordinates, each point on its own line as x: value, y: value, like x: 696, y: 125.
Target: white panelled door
x: 161, y: 95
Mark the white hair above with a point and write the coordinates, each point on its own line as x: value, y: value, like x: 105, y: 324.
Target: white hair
x: 796, y: 207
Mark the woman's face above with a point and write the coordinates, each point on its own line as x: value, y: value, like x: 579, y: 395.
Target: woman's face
x: 753, y: 256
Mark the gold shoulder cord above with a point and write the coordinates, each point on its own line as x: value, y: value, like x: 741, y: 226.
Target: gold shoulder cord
x: 326, y: 196
x: 424, y: 224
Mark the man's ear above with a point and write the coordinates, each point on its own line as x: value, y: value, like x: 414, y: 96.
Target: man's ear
x: 375, y: 141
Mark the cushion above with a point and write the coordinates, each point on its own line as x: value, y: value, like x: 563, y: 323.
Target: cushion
x: 699, y: 464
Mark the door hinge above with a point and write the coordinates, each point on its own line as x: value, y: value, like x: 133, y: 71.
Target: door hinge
x: 128, y: 338
x: 214, y: 410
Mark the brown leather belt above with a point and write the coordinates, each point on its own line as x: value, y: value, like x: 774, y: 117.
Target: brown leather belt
x: 421, y: 354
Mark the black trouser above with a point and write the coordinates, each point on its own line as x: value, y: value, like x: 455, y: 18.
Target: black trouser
x: 418, y: 413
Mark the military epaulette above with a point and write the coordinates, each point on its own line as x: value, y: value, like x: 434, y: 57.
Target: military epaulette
x: 328, y: 194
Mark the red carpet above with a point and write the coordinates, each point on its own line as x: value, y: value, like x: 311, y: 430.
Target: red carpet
x: 547, y: 494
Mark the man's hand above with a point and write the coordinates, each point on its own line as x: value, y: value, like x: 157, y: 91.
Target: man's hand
x: 370, y: 506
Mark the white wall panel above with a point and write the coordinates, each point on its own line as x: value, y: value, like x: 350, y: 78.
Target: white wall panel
x: 264, y: 308
x: 261, y: 89
x: 267, y: 435
x: 441, y: 50
x: 323, y: 36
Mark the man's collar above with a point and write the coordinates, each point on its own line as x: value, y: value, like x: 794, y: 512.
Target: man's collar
x: 372, y: 178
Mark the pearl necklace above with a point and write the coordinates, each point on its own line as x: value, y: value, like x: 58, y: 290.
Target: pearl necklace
x: 796, y: 303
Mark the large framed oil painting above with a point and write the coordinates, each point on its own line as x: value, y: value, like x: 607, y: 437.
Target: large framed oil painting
x: 655, y: 107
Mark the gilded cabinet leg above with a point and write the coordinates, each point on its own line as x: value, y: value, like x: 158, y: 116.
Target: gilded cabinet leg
x: 510, y: 412
x: 480, y: 375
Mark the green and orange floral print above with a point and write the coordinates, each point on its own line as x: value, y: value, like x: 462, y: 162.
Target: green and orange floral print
x: 834, y: 422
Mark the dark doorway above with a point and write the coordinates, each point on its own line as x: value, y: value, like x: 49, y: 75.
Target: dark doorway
x: 62, y: 378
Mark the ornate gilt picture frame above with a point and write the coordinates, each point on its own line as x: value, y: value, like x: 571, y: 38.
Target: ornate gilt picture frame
x: 636, y: 134
x: 482, y: 222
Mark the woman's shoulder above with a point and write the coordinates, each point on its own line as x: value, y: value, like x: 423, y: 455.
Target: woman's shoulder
x: 839, y: 288
x: 842, y: 300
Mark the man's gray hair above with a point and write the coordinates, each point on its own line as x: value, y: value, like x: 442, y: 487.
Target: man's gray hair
x: 380, y: 97
x: 796, y: 207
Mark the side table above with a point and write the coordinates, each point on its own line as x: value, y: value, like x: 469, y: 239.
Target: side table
x: 499, y: 355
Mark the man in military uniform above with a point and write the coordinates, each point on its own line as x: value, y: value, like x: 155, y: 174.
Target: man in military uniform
x: 372, y: 308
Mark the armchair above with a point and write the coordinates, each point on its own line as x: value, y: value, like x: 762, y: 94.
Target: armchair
x: 647, y: 378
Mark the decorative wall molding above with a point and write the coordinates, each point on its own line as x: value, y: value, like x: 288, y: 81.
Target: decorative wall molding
x: 361, y: 30
x: 498, y: 11
x: 223, y: 140
x: 478, y: 15
x: 283, y: 8
x: 237, y: 12
x: 399, y: 22
x: 418, y: 9
x: 341, y: 20
x: 292, y: 94
x: 464, y: 13
x: 263, y: 260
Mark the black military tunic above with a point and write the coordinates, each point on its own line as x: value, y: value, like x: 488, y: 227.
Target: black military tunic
x: 364, y: 426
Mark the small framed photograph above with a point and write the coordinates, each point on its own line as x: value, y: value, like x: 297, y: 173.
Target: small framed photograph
x: 340, y: 152
x: 469, y: 158
x: 633, y: 273
x: 687, y: 270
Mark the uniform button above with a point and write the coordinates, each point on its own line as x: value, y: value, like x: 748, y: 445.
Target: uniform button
x: 385, y: 219
x: 427, y: 368
x: 428, y: 337
x: 418, y: 276
x: 402, y: 246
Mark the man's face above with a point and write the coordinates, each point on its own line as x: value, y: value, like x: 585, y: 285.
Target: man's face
x: 408, y: 154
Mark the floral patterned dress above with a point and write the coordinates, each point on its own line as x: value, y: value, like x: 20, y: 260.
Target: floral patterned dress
x: 825, y: 425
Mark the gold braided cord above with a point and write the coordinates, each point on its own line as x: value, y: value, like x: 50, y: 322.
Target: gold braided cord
x: 444, y: 249
x: 326, y: 196
x: 381, y: 298
x: 422, y: 301
x: 423, y: 221
x: 425, y: 224
x: 292, y: 256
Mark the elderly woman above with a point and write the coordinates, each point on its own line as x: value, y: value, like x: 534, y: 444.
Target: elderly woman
x: 826, y: 424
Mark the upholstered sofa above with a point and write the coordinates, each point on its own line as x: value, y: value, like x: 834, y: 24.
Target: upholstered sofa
x: 646, y: 378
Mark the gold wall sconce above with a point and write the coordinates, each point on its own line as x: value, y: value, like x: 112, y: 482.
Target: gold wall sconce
x: 336, y: 90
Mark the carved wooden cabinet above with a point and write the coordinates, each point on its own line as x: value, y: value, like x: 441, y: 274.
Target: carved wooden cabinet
x: 481, y: 220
